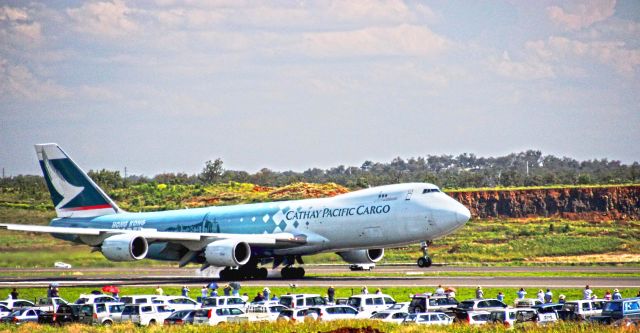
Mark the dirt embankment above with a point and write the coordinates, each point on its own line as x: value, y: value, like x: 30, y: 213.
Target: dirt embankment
x: 599, y: 204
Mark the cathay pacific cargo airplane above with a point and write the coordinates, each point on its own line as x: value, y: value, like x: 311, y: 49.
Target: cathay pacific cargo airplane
x: 356, y: 225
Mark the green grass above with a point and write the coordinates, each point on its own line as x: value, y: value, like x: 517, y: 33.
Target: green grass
x: 546, y: 187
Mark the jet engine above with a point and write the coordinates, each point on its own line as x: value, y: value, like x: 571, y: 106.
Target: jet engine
x: 125, y: 247
x: 362, y: 256
x: 227, y: 252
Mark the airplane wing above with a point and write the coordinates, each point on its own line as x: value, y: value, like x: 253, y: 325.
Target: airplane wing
x: 266, y: 240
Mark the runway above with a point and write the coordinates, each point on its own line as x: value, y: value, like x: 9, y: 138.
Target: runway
x: 402, y: 275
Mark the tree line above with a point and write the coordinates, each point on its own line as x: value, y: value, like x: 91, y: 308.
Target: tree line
x: 528, y: 168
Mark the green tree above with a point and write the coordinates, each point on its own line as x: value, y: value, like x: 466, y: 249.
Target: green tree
x: 212, y: 171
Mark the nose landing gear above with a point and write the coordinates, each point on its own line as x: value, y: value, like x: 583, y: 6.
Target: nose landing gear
x: 425, y: 260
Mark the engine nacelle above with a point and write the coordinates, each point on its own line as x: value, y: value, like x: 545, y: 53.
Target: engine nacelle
x: 227, y: 252
x: 125, y: 247
x: 362, y: 256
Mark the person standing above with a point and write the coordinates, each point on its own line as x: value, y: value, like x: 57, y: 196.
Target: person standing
x: 14, y: 293
x: 55, y: 292
x: 265, y: 293
x: 185, y: 291
x: 203, y: 292
x: 364, y: 290
x: 607, y: 295
x: 213, y: 293
x: 587, y: 292
x: 331, y: 294
x: 540, y: 295
x: 548, y: 296
x: 616, y: 294
x: 479, y: 293
x: 439, y: 290
x: 227, y: 290
x: 562, y: 299
x: 159, y: 291
x: 521, y: 293
x: 500, y: 296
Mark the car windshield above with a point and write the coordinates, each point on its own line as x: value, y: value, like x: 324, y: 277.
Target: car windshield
x: 380, y: 315
x: 286, y: 301
x: 613, y: 306
x: 179, y: 314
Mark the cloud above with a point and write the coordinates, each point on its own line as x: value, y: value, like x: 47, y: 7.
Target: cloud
x: 18, y: 29
x: 402, y: 40
x: 19, y: 83
x: 582, y: 14
x: 107, y: 19
x: 531, y: 68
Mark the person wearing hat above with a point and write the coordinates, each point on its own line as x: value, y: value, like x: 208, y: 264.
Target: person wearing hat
x: 562, y: 299
x: 540, y: 295
x: 479, y: 293
x: 185, y: 291
x: 227, y: 290
x: 616, y: 294
x: 265, y: 293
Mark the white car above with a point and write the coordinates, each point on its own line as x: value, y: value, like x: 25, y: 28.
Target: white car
x: 212, y: 302
x: 429, y: 318
x: 302, y: 300
x: 362, y: 267
x: 262, y: 312
x: 17, y: 303
x: 294, y: 315
x: 334, y: 312
x: 100, y: 313
x: 368, y: 304
x: 527, y: 302
x: 145, y: 314
x: 581, y: 309
x: 400, y: 306
x: 177, y: 303
x: 214, y: 316
x: 50, y: 304
x: 92, y: 299
x: 392, y: 316
x: 60, y: 264
x: 4, y: 311
x: 138, y: 299
x: 473, y: 317
x: 21, y: 316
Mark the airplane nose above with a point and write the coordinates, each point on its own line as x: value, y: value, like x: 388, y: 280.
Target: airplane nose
x: 462, y: 214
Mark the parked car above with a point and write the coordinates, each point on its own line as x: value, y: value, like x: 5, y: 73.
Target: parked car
x: 368, y: 304
x: 261, y: 312
x: 101, y: 313
x: 138, y: 299
x: 424, y: 303
x: 91, y: 299
x: 341, y: 301
x: 548, y: 312
x: 145, y: 314
x: 4, y: 311
x: 400, y: 306
x: 293, y: 315
x: 212, y: 302
x: 182, y: 317
x: 485, y: 304
x: 21, y: 316
x: 302, y: 300
x: 393, y: 316
x: 612, y: 311
x: 17, y: 303
x: 362, y: 267
x: 510, y: 316
x: 64, y: 314
x: 50, y: 304
x: 581, y: 309
x: 335, y: 312
x: 430, y: 318
x: 60, y: 264
x: 214, y: 316
x: 527, y: 302
x: 176, y: 303
x: 472, y: 317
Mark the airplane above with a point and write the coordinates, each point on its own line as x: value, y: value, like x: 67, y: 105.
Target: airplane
x: 358, y: 225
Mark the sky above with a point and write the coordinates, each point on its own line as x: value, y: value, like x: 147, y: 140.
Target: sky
x: 163, y: 86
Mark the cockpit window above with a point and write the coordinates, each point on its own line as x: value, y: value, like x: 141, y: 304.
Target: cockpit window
x: 429, y: 190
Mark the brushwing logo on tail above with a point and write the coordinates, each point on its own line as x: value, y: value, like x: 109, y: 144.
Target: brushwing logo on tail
x: 61, y: 185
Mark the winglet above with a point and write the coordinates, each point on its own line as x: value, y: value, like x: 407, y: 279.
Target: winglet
x: 73, y: 193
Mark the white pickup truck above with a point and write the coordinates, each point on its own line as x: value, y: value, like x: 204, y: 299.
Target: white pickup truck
x: 49, y: 304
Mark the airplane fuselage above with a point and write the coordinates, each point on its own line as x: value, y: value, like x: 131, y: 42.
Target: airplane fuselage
x: 379, y: 217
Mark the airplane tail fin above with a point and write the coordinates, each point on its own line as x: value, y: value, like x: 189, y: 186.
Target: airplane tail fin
x: 73, y: 193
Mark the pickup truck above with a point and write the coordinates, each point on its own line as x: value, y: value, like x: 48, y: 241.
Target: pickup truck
x: 66, y: 313
x: 50, y: 304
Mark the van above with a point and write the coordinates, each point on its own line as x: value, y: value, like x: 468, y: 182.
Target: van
x: 369, y: 304
x: 628, y: 308
x: 302, y: 300
x: 581, y: 309
x: 424, y: 303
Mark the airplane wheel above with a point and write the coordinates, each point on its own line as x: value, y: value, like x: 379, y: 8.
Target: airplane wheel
x: 224, y: 274
x: 261, y: 273
x: 424, y: 262
x: 285, y: 273
x: 300, y: 272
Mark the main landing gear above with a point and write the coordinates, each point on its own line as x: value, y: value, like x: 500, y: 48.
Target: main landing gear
x: 290, y: 272
x: 245, y: 272
x: 425, y: 260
